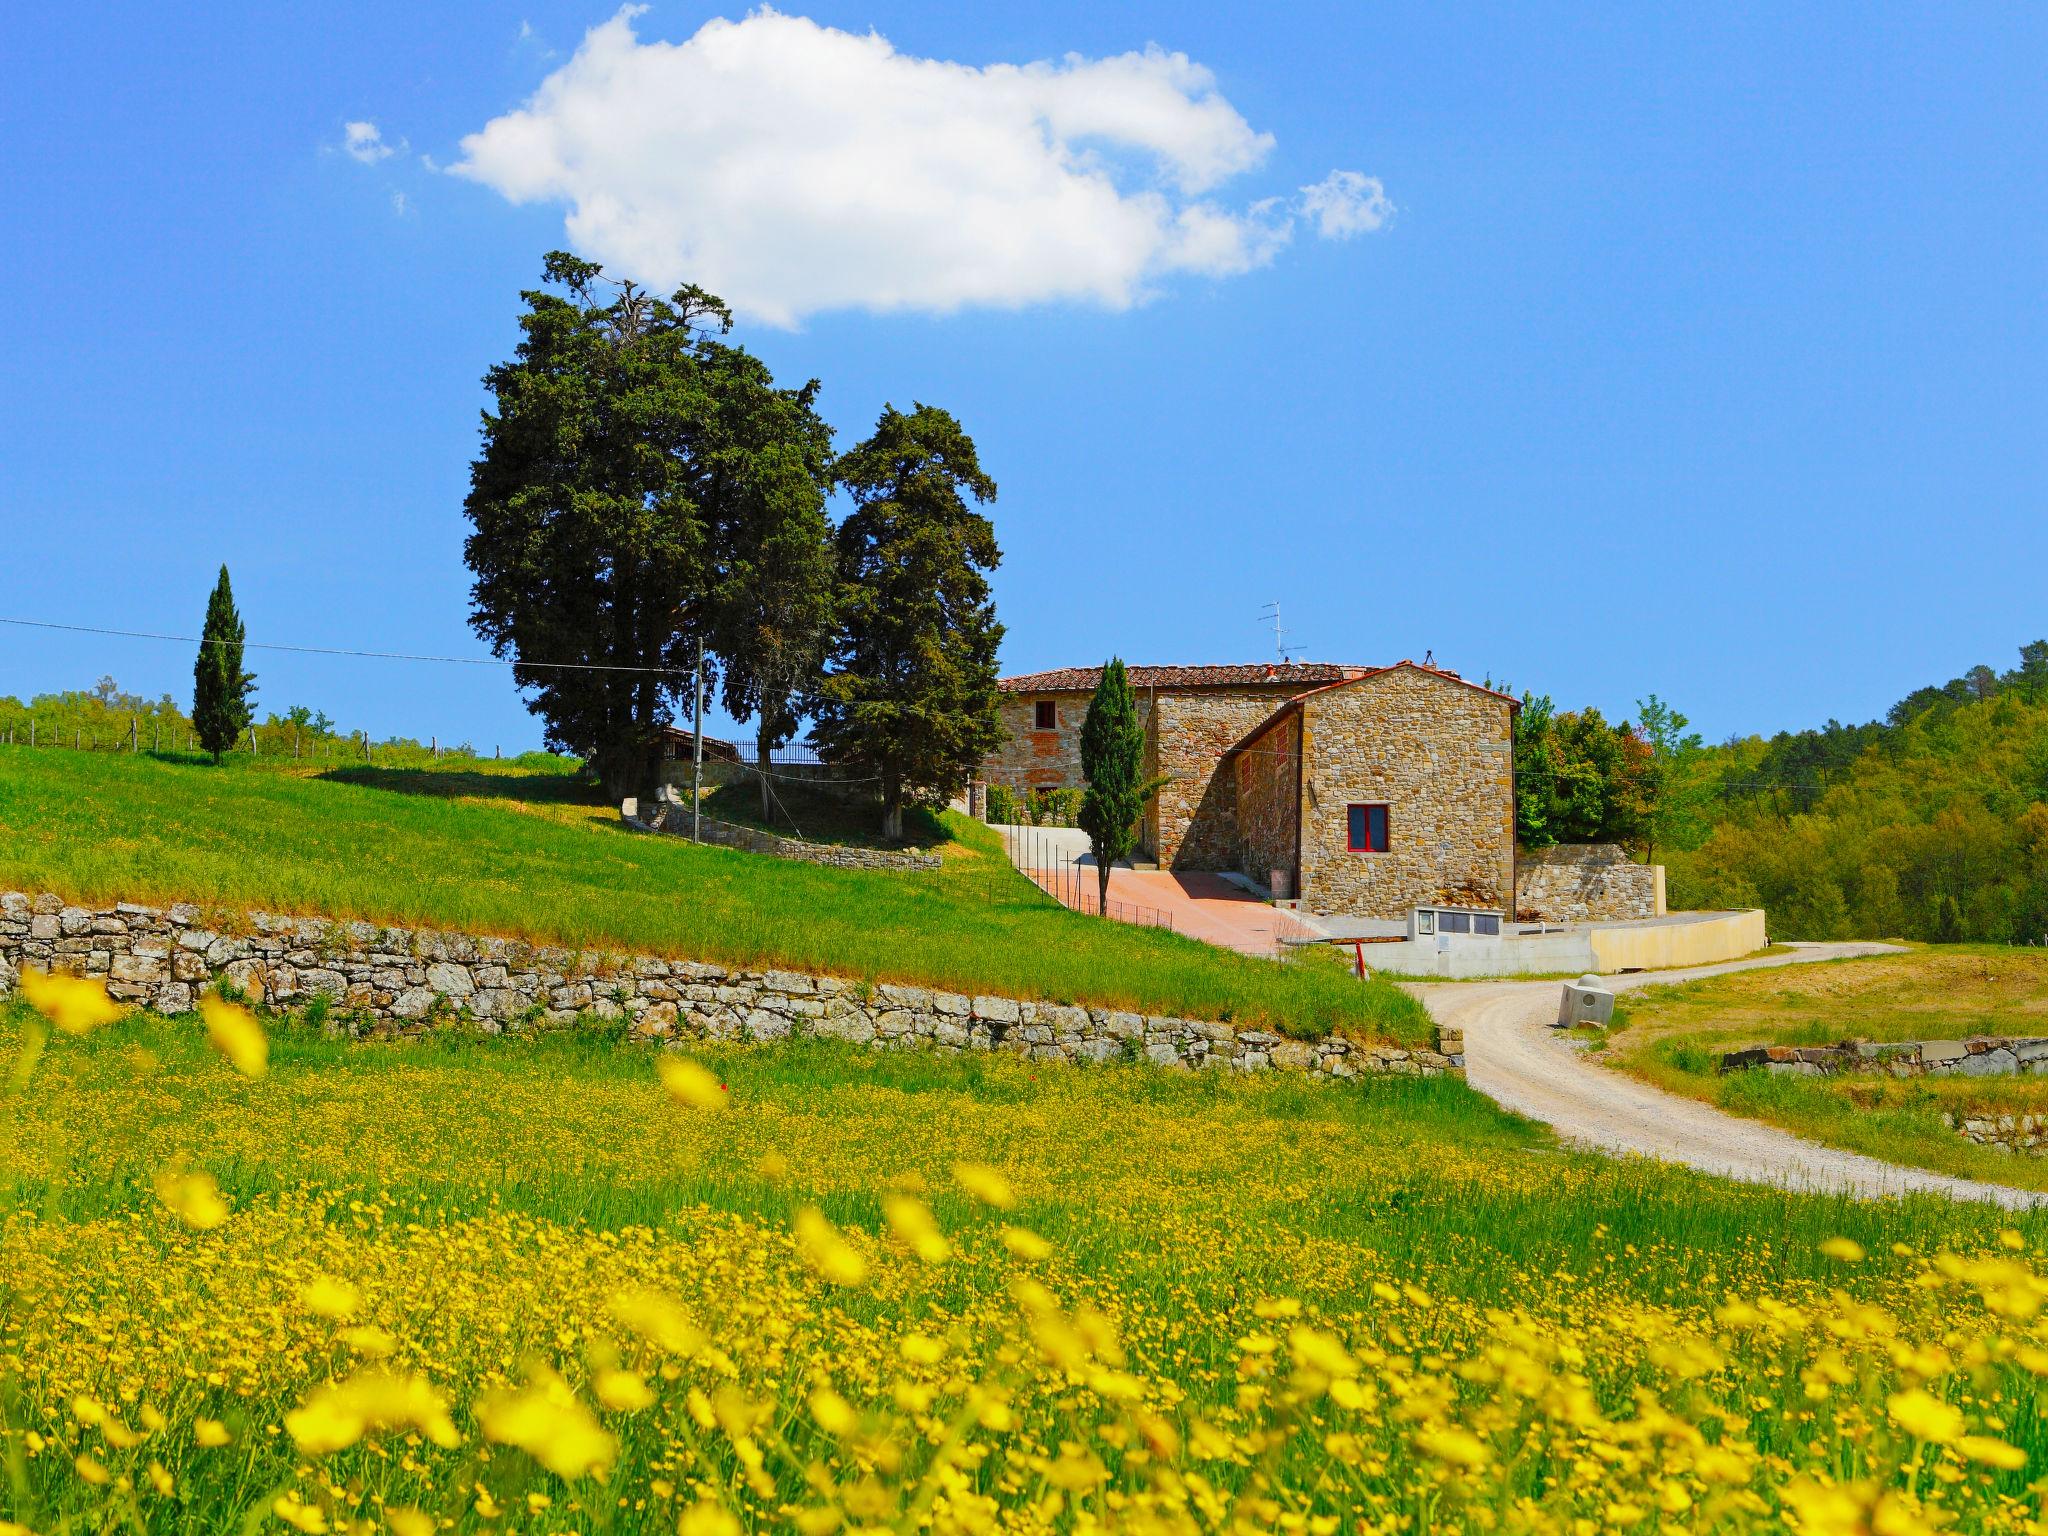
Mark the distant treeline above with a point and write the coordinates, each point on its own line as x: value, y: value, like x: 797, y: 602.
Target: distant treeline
x: 105, y: 718
x: 1929, y: 824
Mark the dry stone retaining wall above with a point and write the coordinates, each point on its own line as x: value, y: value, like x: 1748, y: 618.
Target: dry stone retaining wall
x: 2003, y: 1133
x: 404, y: 980
x: 1982, y: 1056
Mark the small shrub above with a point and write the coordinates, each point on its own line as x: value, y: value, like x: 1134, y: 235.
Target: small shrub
x: 1002, y: 805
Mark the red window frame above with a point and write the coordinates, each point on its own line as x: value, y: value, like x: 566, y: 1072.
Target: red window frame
x: 1358, y: 824
x: 1045, y: 715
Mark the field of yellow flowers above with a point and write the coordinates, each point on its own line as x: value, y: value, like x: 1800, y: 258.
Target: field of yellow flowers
x: 255, y: 1279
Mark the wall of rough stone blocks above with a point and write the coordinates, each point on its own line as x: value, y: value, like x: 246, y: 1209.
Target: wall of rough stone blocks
x: 1195, y: 814
x: 674, y: 820
x: 1438, y: 753
x: 1583, y: 883
x: 1978, y: 1056
x: 383, y: 980
x: 1033, y: 759
x: 1268, y: 804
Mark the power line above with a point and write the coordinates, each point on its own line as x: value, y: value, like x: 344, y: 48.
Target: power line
x: 325, y: 650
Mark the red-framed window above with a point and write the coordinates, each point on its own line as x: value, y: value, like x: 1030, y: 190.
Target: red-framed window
x: 1047, y: 715
x: 1365, y: 828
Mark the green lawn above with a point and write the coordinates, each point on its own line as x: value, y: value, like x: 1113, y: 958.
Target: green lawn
x: 485, y: 848
x: 1675, y: 1037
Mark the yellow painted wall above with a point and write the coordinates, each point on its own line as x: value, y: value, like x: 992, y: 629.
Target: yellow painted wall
x: 1657, y: 946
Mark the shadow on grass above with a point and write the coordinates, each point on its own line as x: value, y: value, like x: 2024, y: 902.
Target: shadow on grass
x: 817, y: 816
x: 455, y: 784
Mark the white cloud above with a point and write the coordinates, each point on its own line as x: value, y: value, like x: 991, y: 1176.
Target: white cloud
x: 793, y: 168
x: 1345, y: 203
x: 364, y: 142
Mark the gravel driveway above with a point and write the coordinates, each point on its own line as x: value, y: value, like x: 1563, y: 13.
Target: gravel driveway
x: 1513, y: 1056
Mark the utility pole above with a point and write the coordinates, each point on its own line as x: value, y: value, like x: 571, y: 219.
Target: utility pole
x: 697, y: 749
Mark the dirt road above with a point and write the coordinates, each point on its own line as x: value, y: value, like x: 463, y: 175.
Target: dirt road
x: 1513, y: 1056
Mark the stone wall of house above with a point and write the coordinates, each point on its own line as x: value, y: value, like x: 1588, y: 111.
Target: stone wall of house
x: 1437, y: 753
x: 1033, y: 759
x: 1583, y: 883
x: 1979, y: 1056
x: 399, y: 980
x: 673, y: 819
x: 1268, y: 807
x: 1194, y: 817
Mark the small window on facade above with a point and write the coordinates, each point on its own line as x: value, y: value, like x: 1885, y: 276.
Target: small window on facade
x: 1454, y: 922
x: 1048, y: 715
x: 1366, y: 828
x: 1425, y: 922
x: 1487, y: 924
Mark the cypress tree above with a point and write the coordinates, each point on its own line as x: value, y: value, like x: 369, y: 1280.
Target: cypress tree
x: 1112, y: 755
x: 220, y: 688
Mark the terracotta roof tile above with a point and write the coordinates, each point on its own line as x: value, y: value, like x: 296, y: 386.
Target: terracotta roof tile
x: 1292, y: 674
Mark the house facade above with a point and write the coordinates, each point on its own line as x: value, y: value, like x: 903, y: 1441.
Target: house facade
x: 1357, y: 790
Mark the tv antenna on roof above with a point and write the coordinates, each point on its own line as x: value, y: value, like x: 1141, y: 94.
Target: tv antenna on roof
x: 1285, y: 651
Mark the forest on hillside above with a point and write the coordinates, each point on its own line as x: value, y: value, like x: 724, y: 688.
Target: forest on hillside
x: 1930, y: 824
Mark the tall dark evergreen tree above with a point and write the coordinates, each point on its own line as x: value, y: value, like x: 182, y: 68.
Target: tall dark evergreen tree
x: 911, y: 696
x: 220, y: 688
x: 593, y: 503
x: 775, y: 604
x: 1112, y: 761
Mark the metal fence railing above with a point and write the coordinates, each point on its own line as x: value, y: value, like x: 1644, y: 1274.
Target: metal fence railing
x: 1047, y: 857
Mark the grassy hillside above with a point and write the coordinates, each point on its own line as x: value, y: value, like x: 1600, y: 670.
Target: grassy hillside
x: 1675, y: 1037
x: 528, y: 855
x: 1215, y: 1304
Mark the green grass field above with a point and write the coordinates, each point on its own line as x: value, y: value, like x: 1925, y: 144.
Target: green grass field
x: 486, y: 848
x: 510, y: 1284
x: 1675, y: 1037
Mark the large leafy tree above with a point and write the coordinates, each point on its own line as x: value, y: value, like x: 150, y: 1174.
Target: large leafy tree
x: 1112, y: 761
x: 775, y: 604
x: 592, y: 509
x: 911, y: 696
x: 221, y: 690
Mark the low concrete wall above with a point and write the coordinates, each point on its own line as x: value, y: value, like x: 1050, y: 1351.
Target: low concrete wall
x: 407, y: 980
x: 1706, y: 940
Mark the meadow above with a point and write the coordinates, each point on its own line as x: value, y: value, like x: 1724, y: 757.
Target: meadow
x: 560, y: 1282
x: 488, y: 848
x: 1675, y: 1036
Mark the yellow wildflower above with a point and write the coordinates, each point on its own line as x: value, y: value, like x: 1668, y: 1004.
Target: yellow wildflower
x: 826, y: 1251
x: 621, y: 1391
x: 1026, y: 1244
x: 337, y: 1415
x: 300, y: 1517
x: 1924, y: 1416
x: 690, y: 1082
x: 1846, y: 1250
x: 78, y: 1005
x: 193, y: 1198
x: 233, y: 1031
x: 545, y: 1420
x: 210, y: 1432
x: 985, y: 1185
x: 325, y: 1296
x: 1992, y: 1453
x: 912, y: 1222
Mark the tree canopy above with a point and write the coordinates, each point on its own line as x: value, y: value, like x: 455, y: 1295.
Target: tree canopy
x: 911, y: 693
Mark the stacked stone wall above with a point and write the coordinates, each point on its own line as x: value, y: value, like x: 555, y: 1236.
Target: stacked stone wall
x: 2003, y: 1133
x: 1583, y: 883
x: 1979, y: 1056
x: 380, y: 980
x: 1438, y: 754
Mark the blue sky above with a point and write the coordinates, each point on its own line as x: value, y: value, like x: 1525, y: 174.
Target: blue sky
x: 1704, y: 350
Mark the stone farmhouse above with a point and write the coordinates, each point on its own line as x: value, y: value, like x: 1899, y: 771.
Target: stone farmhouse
x: 1356, y: 790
